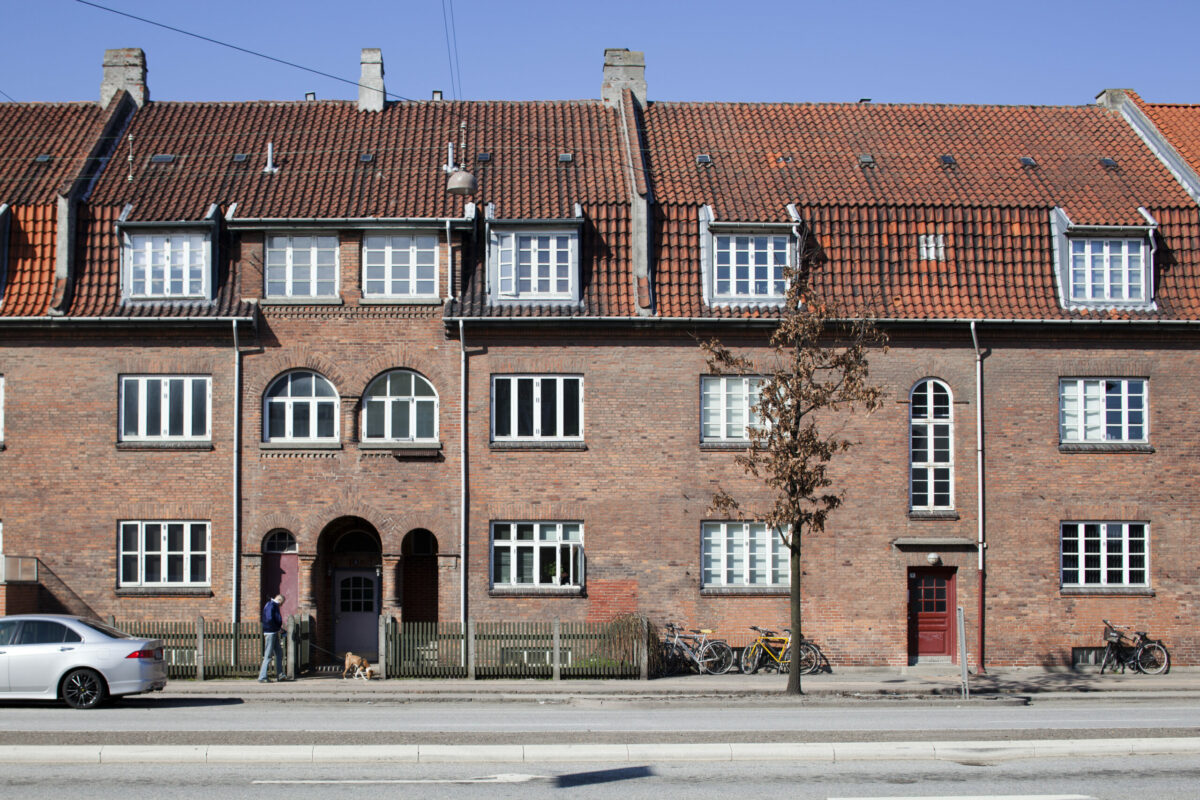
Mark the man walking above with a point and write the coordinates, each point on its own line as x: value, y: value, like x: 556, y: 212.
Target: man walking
x: 272, y: 625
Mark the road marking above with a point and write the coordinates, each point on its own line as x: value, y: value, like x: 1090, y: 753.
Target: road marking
x: 977, y: 797
x: 502, y: 778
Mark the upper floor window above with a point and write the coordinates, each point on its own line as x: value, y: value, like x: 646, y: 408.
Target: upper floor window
x: 164, y: 553
x: 301, y: 406
x: 400, y: 406
x: 536, y: 264
x: 743, y: 554
x: 400, y: 266
x: 301, y: 267
x: 727, y: 407
x: 1102, y: 410
x: 931, y: 247
x: 931, y: 447
x: 1, y: 412
x: 169, y: 265
x: 537, y: 407
x: 537, y: 554
x: 750, y: 266
x: 1105, y: 553
x: 1108, y: 271
x: 165, y: 407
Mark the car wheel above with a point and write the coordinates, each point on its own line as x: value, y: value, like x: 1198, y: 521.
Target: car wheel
x: 83, y: 688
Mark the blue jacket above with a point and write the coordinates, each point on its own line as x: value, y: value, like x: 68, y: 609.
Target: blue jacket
x: 272, y: 620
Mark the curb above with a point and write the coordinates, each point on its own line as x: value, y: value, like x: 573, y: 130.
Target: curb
x: 826, y: 753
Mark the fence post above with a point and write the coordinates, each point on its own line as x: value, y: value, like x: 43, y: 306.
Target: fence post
x: 556, y: 626
x: 112, y: 621
x: 470, y: 643
x: 289, y: 648
x: 644, y: 647
x: 199, y: 648
x: 382, y: 644
x: 962, y: 654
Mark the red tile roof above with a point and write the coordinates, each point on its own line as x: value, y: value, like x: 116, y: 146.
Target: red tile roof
x: 64, y: 131
x: 1179, y: 123
x: 30, y: 281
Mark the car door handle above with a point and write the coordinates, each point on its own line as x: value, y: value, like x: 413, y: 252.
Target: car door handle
x: 65, y: 649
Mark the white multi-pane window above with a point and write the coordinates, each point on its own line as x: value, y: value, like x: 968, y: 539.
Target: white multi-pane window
x: 166, y: 265
x: 743, y: 554
x: 537, y: 264
x: 164, y: 553
x: 166, y: 407
x: 1, y: 409
x: 301, y: 406
x: 931, y: 247
x: 302, y: 267
x: 727, y: 407
x: 400, y: 406
x: 400, y: 266
x: 750, y: 266
x: 537, y: 407
x: 1102, y: 410
x: 537, y: 554
x: 1105, y: 553
x: 931, y: 447
x: 1108, y: 271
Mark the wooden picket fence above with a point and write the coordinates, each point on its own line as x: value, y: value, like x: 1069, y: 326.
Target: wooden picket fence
x: 204, y: 649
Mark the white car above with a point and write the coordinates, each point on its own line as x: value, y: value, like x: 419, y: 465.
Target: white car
x: 80, y: 661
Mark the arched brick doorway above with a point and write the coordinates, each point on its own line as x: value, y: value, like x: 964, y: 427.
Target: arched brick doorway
x: 419, y: 596
x: 348, y: 571
x: 280, y: 570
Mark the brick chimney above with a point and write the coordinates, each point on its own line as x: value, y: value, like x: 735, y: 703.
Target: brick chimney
x: 124, y: 68
x: 623, y: 69
x: 371, y: 94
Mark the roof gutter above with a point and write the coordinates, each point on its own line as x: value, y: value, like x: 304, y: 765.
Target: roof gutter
x: 765, y: 321
x: 63, y: 320
x: 237, y: 223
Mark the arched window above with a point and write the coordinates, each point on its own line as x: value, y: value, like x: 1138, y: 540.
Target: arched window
x: 400, y: 406
x: 279, y: 541
x: 301, y: 406
x: 931, y: 447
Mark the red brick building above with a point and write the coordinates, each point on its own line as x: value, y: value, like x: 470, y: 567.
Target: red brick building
x: 292, y: 361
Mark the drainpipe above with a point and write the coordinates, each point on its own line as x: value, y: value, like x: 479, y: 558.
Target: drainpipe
x: 449, y: 264
x: 462, y: 475
x: 980, y: 544
x: 237, y: 463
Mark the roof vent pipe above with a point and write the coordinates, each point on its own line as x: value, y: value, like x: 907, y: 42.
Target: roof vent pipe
x: 270, y: 168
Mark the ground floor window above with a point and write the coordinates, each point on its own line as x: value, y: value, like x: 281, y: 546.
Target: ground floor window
x: 743, y: 554
x: 164, y: 553
x: 1105, y: 553
x: 537, y: 554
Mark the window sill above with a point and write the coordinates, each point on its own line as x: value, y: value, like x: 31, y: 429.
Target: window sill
x: 400, y: 301
x: 402, y: 449
x: 165, y: 591
x: 301, y: 301
x: 538, y: 445
x: 556, y: 302
x: 924, y: 542
x: 536, y: 591
x: 1114, y: 591
x: 745, y: 591
x: 726, y: 446
x: 299, y: 445
x: 165, y: 445
x: 1105, y: 447
x: 726, y: 302
x: 947, y: 514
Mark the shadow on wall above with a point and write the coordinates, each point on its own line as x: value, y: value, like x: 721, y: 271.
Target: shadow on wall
x: 56, y: 597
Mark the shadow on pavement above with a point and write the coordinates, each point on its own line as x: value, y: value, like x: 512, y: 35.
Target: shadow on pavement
x: 602, y: 776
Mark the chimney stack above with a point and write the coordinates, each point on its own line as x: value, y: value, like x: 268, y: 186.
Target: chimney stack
x: 124, y: 69
x: 371, y: 94
x: 623, y: 69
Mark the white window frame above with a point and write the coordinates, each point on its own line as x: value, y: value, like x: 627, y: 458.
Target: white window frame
x: 280, y: 270
x: 727, y: 407
x: 138, y: 404
x: 149, y: 274
x: 1098, y: 275
x: 394, y: 259
x: 748, y: 555
x: 561, y: 247
x: 1114, y: 560
x: 134, y: 559
x: 931, y: 464
x: 762, y: 276
x: 931, y: 247
x: 1, y: 409
x: 562, y: 541
x: 1091, y: 412
x: 539, y: 382
x: 290, y: 403
x: 390, y: 404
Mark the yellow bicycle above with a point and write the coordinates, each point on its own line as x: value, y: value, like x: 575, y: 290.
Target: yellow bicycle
x: 770, y: 650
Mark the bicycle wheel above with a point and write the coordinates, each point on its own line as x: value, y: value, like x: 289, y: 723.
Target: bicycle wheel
x: 1108, y: 660
x: 785, y: 661
x: 673, y: 660
x: 810, y: 658
x: 716, y: 658
x: 751, y: 655
x: 1152, y: 658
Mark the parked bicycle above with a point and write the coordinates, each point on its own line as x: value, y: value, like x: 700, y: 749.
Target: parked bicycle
x: 769, y: 650
x: 1140, y: 653
x: 682, y: 651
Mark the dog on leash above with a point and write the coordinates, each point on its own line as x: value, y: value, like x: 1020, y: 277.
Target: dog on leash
x: 359, y: 666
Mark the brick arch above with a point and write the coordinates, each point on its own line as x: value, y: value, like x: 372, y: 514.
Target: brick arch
x: 412, y: 359
x: 351, y: 507
x: 305, y: 539
x: 303, y: 358
x: 931, y: 376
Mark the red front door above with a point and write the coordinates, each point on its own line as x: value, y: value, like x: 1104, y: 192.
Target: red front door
x: 931, y: 604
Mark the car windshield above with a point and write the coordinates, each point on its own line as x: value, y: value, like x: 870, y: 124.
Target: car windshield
x: 100, y: 627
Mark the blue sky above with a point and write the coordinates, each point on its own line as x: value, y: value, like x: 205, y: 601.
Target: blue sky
x: 1012, y: 51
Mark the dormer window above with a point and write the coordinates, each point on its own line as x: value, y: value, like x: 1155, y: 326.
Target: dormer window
x: 1108, y: 271
x: 750, y: 266
x: 400, y: 266
x: 168, y: 265
x: 302, y: 267
x: 535, y: 264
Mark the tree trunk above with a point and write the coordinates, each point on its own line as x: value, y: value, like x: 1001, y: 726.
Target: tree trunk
x: 793, y: 684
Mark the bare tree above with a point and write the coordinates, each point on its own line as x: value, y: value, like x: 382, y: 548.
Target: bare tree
x: 817, y: 368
